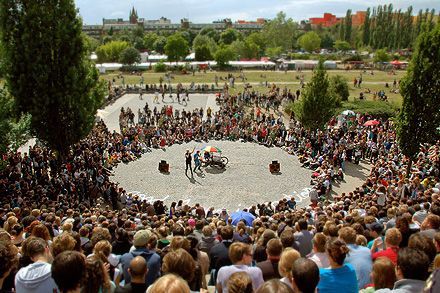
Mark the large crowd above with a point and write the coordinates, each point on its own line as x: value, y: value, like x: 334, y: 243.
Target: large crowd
x: 68, y: 228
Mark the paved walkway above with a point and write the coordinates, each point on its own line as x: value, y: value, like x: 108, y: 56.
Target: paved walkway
x: 244, y: 182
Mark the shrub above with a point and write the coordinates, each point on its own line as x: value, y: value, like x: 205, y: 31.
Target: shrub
x: 160, y: 67
x: 340, y: 87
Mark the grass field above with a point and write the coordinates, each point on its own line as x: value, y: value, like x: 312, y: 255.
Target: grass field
x: 257, y: 79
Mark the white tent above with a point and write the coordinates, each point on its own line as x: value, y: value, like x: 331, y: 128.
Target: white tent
x: 191, y: 56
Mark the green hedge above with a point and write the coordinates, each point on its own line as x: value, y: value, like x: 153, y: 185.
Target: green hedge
x: 378, y: 109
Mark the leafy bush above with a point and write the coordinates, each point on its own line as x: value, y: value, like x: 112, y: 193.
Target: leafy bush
x: 356, y: 57
x: 160, y: 67
x: 131, y: 68
x: 340, y: 87
x: 374, y: 108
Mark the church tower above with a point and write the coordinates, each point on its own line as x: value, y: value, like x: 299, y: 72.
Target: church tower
x: 133, y: 16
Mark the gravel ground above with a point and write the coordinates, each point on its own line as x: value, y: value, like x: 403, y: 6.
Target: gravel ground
x: 110, y: 114
x: 245, y: 181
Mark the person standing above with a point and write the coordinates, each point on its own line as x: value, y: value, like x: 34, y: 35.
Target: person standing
x: 188, y: 160
x: 197, y: 161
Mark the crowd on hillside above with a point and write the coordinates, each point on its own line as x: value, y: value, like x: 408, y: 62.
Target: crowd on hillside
x: 68, y: 228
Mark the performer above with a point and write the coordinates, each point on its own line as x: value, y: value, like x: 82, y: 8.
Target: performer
x: 188, y: 160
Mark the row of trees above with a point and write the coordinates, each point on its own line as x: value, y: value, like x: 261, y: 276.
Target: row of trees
x: 384, y: 28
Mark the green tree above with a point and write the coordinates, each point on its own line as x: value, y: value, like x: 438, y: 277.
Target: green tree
x: 210, y: 32
x: 274, y: 52
x: 111, y: 51
x: 138, y: 43
x: 420, y: 114
x: 138, y: 32
x: 310, y: 41
x: 258, y: 39
x: 348, y: 26
x: 342, y: 45
x: 13, y: 132
x: 366, y: 29
x: 204, y: 47
x: 91, y: 43
x: 130, y: 56
x: 149, y: 39
x: 159, y: 44
x: 280, y: 32
x: 48, y: 70
x: 229, y: 36
x: 245, y: 49
x: 318, y: 101
x: 176, y: 47
x: 327, y: 41
x: 203, y: 53
x: 224, y: 55
x: 339, y: 86
x: 381, y: 55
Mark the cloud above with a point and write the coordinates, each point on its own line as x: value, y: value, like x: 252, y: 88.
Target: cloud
x: 118, y: 13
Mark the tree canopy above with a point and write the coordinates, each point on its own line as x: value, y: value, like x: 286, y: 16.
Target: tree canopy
x: 310, y: 41
x: 419, y: 117
x: 130, y: 56
x: 318, y: 101
x: 176, y: 47
x: 224, y: 55
x: 280, y: 32
x: 111, y: 52
x: 48, y: 70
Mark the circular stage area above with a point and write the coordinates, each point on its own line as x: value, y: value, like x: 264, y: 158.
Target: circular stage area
x: 245, y: 181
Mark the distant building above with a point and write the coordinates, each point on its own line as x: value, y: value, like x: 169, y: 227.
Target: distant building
x: 329, y: 19
x: 164, y: 24
x: 358, y: 18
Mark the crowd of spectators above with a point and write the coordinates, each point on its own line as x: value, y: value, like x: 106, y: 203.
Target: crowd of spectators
x: 68, y: 228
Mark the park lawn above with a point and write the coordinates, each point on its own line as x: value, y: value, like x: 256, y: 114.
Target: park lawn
x: 252, y: 76
x: 257, y: 80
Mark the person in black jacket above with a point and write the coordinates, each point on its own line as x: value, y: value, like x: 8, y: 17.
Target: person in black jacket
x: 122, y: 243
x: 219, y: 254
x: 138, y: 271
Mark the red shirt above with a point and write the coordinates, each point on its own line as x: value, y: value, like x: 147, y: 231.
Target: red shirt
x: 390, y: 253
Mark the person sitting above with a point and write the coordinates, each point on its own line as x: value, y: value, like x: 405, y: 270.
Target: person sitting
x: 269, y: 267
x: 140, y: 242
x: 206, y: 157
x: 339, y: 275
x: 36, y: 277
x: 68, y: 270
x: 305, y: 275
x: 411, y: 271
x: 383, y: 275
x: 138, y: 272
x: 241, y: 257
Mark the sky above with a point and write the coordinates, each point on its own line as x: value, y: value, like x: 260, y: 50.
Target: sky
x: 206, y: 11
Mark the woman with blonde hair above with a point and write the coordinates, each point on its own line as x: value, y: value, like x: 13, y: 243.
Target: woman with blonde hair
x: 287, y: 258
x: 240, y: 255
x: 240, y: 282
x: 383, y: 275
x: 181, y: 263
x: 102, y: 251
x: 96, y: 278
x: 10, y: 222
x: 169, y: 283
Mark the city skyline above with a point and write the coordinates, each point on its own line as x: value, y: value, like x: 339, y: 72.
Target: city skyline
x: 206, y: 11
